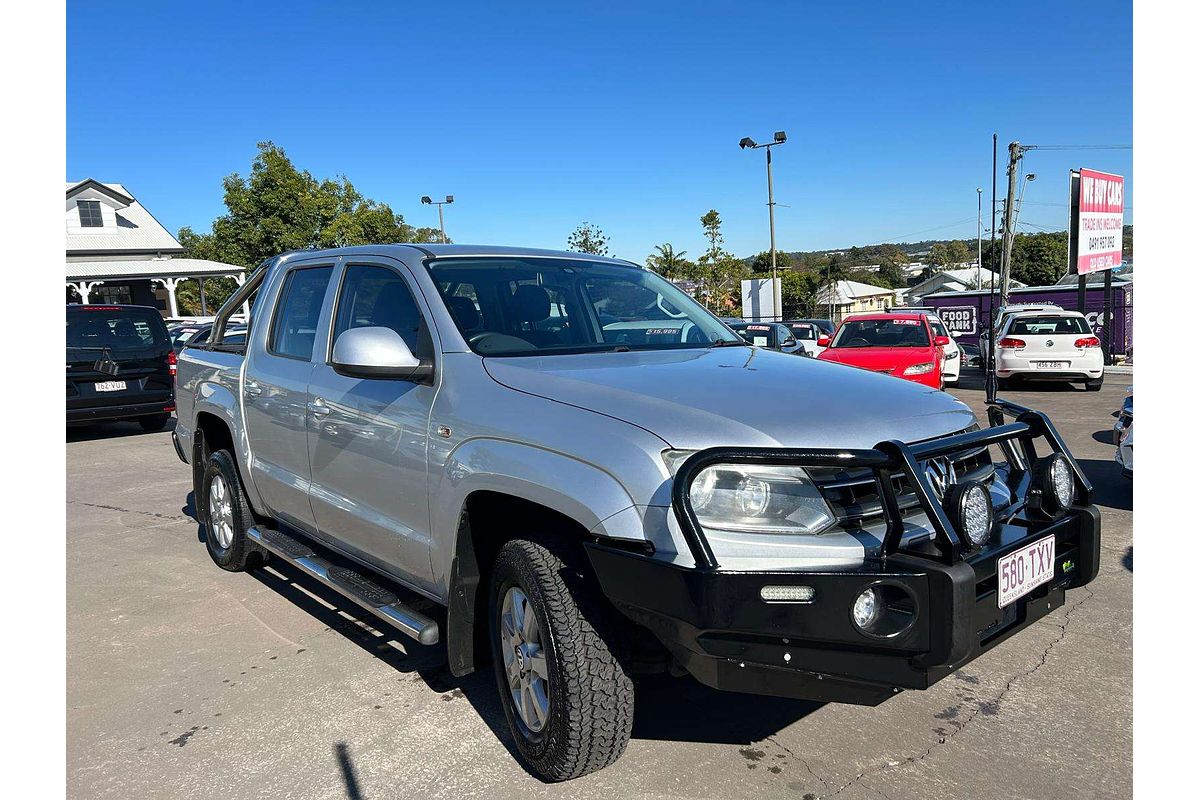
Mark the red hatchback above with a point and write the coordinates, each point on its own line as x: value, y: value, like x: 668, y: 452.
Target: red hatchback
x: 899, y: 344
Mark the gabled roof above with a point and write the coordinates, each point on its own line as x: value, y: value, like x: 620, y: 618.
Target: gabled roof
x: 849, y: 291
x: 149, y: 268
x: 137, y: 230
x: 114, y: 190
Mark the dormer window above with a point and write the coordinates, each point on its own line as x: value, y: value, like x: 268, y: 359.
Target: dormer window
x: 89, y: 214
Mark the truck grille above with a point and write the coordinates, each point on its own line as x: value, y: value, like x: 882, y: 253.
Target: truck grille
x: 854, y: 498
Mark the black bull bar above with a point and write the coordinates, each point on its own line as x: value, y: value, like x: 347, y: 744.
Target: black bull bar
x: 1016, y: 440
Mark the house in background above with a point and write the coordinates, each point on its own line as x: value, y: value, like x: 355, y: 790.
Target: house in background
x: 964, y: 279
x: 117, y: 252
x: 852, y: 297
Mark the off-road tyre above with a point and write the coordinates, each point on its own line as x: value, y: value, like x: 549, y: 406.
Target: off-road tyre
x: 238, y: 552
x: 154, y: 422
x: 590, y: 716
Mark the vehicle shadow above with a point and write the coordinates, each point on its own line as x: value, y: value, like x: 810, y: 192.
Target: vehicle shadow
x: 668, y: 709
x: 90, y: 431
x: 1104, y: 437
x: 1110, y: 488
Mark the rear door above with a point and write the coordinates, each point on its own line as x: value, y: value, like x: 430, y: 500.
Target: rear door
x: 117, y: 356
x: 368, y: 438
x: 275, y: 391
x: 1049, y: 339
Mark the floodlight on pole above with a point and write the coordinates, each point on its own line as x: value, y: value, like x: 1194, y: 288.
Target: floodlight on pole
x: 749, y: 144
x: 429, y: 201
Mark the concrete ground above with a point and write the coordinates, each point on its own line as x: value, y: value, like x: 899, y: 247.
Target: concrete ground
x: 184, y: 680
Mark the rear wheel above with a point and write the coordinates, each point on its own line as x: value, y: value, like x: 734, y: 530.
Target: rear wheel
x: 1003, y: 384
x: 568, y: 701
x: 1094, y: 386
x: 154, y: 422
x: 226, y: 514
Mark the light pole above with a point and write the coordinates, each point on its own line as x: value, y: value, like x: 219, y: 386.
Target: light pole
x: 776, y: 292
x: 979, y: 237
x: 426, y: 200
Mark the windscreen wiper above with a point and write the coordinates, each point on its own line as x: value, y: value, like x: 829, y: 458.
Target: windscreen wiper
x: 729, y: 343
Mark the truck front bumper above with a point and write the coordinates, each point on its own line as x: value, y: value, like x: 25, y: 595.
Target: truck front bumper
x: 716, y: 624
x: 723, y: 628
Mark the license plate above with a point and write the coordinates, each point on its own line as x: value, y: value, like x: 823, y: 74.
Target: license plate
x: 110, y: 386
x: 1021, y: 572
x: 1049, y: 364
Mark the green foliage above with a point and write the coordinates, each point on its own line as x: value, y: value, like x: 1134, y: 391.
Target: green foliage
x: 588, y: 238
x: 944, y: 255
x: 799, y: 292
x: 762, y: 261
x: 670, y: 263
x: 712, y: 231
x: 279, y: 208
x: 1039, y: 259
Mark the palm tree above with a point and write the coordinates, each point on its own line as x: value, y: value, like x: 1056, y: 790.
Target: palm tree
x: 667, y: 262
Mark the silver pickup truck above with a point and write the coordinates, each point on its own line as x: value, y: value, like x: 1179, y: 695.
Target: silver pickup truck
x: 563, y: 465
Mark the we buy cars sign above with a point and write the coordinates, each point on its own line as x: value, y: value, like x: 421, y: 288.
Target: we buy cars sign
x: 1101, y: 218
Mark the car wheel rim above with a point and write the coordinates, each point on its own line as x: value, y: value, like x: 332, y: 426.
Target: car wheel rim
x: 524, y: 660
x: 220, y: 512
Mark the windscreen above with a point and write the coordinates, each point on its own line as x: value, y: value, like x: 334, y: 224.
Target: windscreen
x: 759, y: 335
x: 891, y: 332
x: 116, y: 329
x: 520, y: 306
x: 804, y: 330
x: 1045, y: 326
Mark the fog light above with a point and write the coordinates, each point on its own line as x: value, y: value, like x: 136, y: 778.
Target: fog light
x: 866, y: 609
x: 1053, y: 489
x: 969, y: 507
x: 787, y: 594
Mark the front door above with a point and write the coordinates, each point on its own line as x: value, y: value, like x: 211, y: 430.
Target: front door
x: 368, y: 438
x: 275, y: 395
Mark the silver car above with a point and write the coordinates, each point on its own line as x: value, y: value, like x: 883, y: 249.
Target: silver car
x: 563, y: 465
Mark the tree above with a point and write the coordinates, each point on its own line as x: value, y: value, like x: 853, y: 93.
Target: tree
x: 798, y: 292
x: 668, y: 262
x: 712, y: 231
x: 1039, y: 259
x: 279, y: 208
x: 588, y: 238
x: 891, y: 266
x: 944, y: 255
x: 762, y: 261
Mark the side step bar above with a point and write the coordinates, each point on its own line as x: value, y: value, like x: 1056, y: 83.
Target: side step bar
x: 352, y: 585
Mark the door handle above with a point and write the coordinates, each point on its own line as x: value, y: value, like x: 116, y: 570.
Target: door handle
x: 318, y: 408
x: 252, y: 389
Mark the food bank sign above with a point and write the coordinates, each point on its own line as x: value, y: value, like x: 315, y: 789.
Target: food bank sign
x: 1101, y: 219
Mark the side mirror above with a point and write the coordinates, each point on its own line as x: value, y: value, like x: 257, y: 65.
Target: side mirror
x: 941, y: 341
x: 824, y: 341
x: 377, y: 353
x: 789, y: 342
x: 955, y: 334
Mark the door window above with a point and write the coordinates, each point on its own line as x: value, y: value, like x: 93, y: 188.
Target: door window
x: 378, y: 297
x: 294, y: 330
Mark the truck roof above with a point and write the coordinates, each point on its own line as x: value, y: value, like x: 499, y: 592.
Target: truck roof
x: 465, y: 250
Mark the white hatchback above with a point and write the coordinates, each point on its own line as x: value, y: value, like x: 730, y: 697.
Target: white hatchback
x: 1049, y: 345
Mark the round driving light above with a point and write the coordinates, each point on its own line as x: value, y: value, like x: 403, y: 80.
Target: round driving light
x: 866, y: 608
x: 1053, y: 489
x: 753, y: 496
x: 969, y: 507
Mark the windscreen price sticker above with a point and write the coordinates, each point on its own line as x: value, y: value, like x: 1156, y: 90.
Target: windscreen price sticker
x: 959, y: 319
x: 1101, y: 220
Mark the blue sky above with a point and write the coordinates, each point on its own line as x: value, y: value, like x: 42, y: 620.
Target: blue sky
x: 538, y: 116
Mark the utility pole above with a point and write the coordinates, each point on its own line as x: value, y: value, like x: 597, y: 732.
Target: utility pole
x: 1015, y: 152
x: 776, y: 291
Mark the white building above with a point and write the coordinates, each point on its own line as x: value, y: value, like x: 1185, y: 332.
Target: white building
x: 852, y: 297
x: 964, y: 279
x: 117, y: 252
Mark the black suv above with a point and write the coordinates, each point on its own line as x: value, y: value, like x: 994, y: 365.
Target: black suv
x: 120, y: 365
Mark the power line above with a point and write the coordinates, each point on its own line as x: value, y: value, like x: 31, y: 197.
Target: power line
x: 1078, y: 147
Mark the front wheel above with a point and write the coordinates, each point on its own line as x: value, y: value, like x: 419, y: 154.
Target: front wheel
x: 568, y: 701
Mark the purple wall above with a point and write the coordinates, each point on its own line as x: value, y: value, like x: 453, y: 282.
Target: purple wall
x: 970, y: 312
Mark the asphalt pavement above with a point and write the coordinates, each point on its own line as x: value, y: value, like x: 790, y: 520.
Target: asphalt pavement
x: 187, y: 681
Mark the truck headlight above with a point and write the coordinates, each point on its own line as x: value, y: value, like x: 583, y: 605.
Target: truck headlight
x: 919, y: 369
x: 755, y: 498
